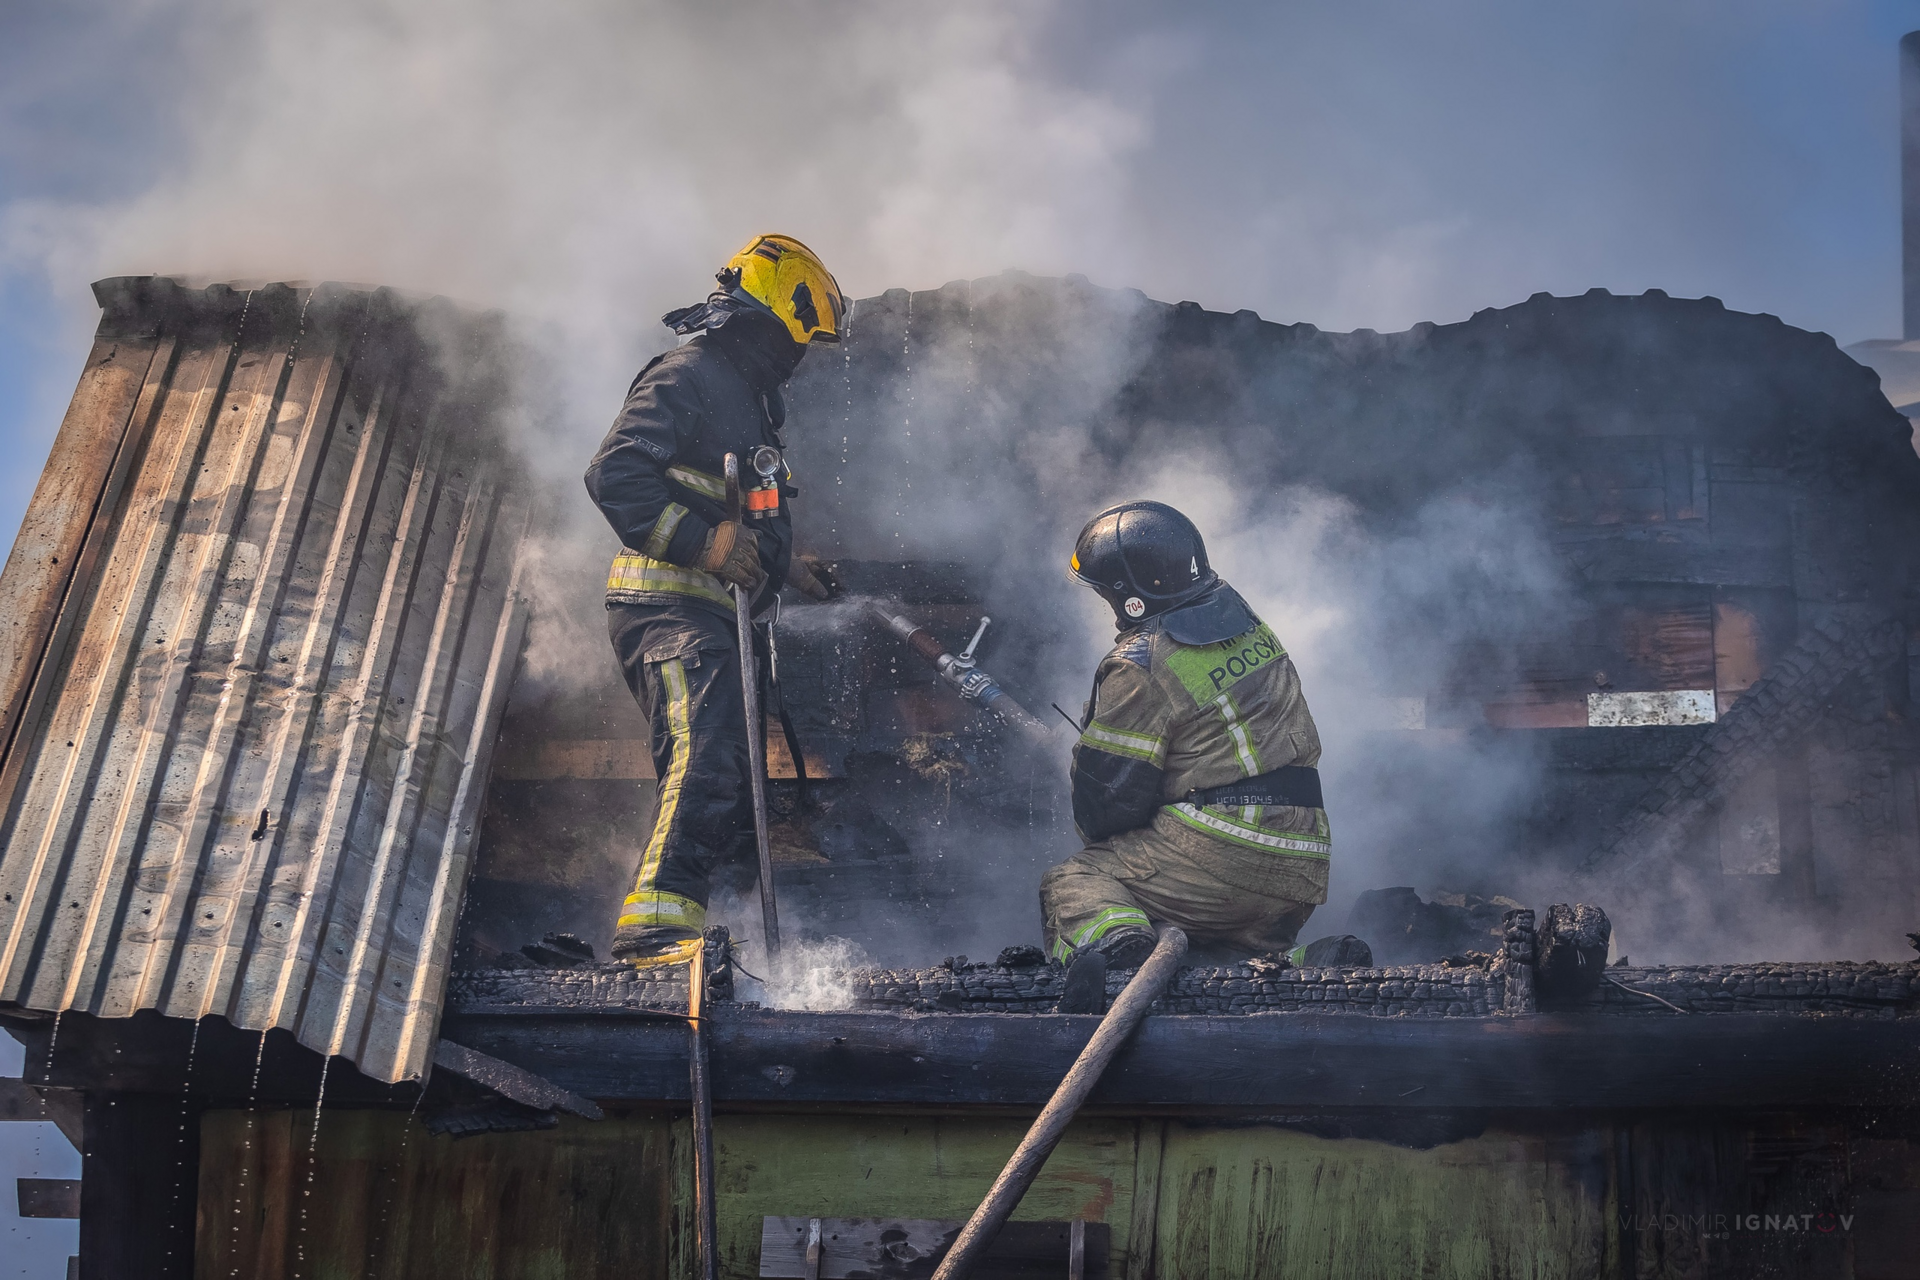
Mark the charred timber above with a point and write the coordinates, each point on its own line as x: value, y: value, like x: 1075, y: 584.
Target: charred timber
x: 1259, y: 1061
x: 1871, y: 990
x: 1259, y: 1064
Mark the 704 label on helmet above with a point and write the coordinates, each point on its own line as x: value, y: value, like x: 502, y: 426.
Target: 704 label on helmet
x: 1135, y: 606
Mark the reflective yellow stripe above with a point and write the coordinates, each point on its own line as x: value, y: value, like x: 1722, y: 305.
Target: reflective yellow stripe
x: 1097, y: 928
x: 656, y: 544
x: 1218, y: 823
x: 700, y: 482
x: 634, y: 572
x: 654, y: 907
x: 1125, y: 742
x: 673, y: 673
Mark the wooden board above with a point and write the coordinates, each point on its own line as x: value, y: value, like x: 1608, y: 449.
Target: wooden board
x: 389, y: 1202
x: 49, y: 1197
x: 1258, y: 1060
x: 1552, y: 1197
x: 912, y: 1247
x: 1255, y: 1061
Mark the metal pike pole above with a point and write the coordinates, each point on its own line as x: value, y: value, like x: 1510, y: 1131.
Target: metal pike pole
x: 1045, y: 1134
x: 706, y: 1215
x: 756, y: 727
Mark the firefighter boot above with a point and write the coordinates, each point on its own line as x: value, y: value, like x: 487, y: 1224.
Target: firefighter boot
x: 1339, y: 951
x: 646, y: 945
x: 1126, y: 948
x: 1086, y: 986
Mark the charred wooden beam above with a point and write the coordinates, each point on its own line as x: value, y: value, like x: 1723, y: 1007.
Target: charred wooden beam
x: 1261, y: 1063
x: 139, y: 1186
x: 48, y: 1197
x: 149, y: 1053
x: 510, y: 1081
x: 1462, y: 988
x: 1256, y: 1061
x: 20, y: 1100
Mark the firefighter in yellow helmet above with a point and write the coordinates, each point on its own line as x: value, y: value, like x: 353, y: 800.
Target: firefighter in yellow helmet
x: 658, y: 481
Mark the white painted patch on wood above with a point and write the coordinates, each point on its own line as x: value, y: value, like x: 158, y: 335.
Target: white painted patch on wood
x: 1662, y: 707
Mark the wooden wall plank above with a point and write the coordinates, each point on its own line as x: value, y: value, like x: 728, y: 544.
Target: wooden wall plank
x: 390, y: 1202
x: 138, y: 1198
x: 1266, y: 1201
x: 1555, y: 1197
x: 1547, y: 1061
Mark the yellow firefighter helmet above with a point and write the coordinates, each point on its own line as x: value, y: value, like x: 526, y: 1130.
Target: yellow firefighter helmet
x: 788, y: 279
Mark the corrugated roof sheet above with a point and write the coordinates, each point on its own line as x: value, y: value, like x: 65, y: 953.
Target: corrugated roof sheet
x: 265, y: 611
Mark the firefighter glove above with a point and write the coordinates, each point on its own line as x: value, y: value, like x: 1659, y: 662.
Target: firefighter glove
x: 808, y: 575
x: 732, y: 554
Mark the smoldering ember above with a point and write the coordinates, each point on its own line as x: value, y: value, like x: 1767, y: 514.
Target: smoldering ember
x: 323, y: 790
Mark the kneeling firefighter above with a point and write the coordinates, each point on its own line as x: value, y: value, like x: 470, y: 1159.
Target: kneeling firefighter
x: 1194, y: 780
x: 658, y: 479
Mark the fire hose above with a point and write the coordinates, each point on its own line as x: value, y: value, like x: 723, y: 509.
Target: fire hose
x: 961, y: 672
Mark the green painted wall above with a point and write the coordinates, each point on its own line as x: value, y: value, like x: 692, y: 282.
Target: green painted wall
x: 1268, y: 1202
x: 376, y: 1196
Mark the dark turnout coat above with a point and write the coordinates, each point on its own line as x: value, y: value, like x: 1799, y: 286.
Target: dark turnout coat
x: 658, y: 476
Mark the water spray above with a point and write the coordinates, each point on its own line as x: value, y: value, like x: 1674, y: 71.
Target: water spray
x: 961, y: 672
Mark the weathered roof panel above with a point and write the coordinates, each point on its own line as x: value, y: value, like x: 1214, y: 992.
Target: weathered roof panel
x: 253, y: 735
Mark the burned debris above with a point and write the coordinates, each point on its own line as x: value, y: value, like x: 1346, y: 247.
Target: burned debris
x: 558, y: 951
x: 1573, y: 950
x: 1402, y: 928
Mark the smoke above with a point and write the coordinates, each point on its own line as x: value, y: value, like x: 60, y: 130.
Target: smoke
x: 983, y: 424
x: 1376, y: 619
x: 587, y: 165
x: 809, y: 973
x: 584, y: 166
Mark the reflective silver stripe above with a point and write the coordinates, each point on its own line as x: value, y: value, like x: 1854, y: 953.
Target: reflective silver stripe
x: 1109, y: 919
x: 1252, y: 837
x: 1243, y: 749
x: 663, y: 529
x: 700, y: 482
x: 649, y: 907
x: 634, y: 572
x: 1124, y: 742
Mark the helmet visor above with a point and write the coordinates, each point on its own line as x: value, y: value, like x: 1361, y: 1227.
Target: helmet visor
x: 1076, y: 574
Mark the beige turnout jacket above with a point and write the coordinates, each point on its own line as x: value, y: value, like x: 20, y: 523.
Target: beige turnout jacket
x: 1167, y: 718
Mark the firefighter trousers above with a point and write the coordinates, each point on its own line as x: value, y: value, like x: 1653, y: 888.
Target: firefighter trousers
x: 1219, y: 893
x: 682, y: 663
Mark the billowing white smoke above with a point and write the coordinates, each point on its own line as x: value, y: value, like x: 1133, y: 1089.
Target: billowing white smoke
x: 587, y: 165
x: 811, y: 974
x: 1375, y: 620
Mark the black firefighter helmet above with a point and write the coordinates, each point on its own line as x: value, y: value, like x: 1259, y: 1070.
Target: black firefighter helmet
x: 1148, y: 560
x: 1144, y: 558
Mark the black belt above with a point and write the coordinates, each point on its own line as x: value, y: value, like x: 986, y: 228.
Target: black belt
x: 1291, y: 786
